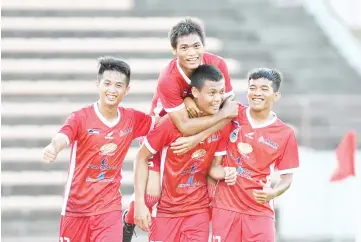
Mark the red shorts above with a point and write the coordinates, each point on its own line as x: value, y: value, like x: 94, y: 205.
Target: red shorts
x: 193, y: 228
x: 237, y: 227
x: 106, y: 227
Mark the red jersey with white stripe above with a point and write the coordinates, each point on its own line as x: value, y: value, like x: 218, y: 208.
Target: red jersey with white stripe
x: 174, y: 85
x: 98, y: 149
x: 184, y: 177
x: 256, y: 151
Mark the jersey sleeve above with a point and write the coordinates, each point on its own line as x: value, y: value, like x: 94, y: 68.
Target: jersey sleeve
x: 223, y: 140
x: 169, y: 93
x: 289, y: 160
x: 162, y: 135
x: 143, y: 123
x: 71, y: 128
x: 228, y: 86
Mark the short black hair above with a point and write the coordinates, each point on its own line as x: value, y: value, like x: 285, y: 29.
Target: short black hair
x: 205, y: 73
x: 271, y: 74
x: 109, y: 63
x: 186, y: 27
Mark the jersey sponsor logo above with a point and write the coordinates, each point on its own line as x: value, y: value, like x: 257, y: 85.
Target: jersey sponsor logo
x: 198, y: 154
x: 125, y: 132
x: 93, y: 131
x: 268, y: 142
x: 244, y: 148
x: 213, y: 138
x: 241, y: 171
x: 108, y: 149
x: 234, y: 135
x: 100, y: 178
x: 190, y: 183
x: 109, y: 135
x: 103, y: 166
x: 192, y: 170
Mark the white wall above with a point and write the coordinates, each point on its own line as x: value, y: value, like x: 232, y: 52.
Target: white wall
x: 315, y: 208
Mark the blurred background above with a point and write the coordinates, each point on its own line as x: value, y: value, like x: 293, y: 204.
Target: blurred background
x: 49, y: 51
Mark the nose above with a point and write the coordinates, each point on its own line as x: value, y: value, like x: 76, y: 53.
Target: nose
x: 111, y: 89
x: 191, y: 51
x: 218, y: 98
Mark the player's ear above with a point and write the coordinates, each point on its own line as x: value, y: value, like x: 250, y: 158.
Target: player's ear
x: 174, y: 51
x: 195, y: 92
x: 127, y: 90
x: 97, y: 83
x: 277, y: 96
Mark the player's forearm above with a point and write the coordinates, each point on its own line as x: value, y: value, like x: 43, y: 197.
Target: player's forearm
x: 217, y: 172
x: 140, y: 179
x: 195, y: 125
x: 206, y: 133
x: 282, y: 185
x: 59, y: 142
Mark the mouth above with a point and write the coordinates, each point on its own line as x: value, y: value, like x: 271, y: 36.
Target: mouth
x: 192, y: 60
x: 215, y: 106
x: 111, y: 97
x: 257, y: 100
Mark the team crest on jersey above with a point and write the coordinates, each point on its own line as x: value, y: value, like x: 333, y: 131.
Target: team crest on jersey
x: 108, y: 149
x: 234, y: 135
x: 244, y: 148
x: 109, y: 135
x: 93, y: 131
x: 198, y: 154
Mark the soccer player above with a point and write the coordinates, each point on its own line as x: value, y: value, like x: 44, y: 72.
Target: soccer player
x: 182, y: 213
x: 100, y: 136
x: 173, y: 96
x: 258, y: 144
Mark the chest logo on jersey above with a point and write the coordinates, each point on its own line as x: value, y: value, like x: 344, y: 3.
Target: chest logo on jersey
x: 190, y: 183
x: 268, y: 142
x: 234, y: 134
x: 244, y: 148
x: 213, y: 138
x: 249, y: 135
x: 93, y: 131
x: 125, y: 132
x: 108, y: 149
x: 198, y: 154
x: 109, y: 135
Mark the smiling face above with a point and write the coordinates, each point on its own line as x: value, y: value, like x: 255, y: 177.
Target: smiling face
x: 261, y: 94
x: 112, y: 87
x: 189, y: 51
x: 210, y: 97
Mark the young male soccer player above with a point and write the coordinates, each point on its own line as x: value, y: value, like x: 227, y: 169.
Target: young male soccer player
x: 187, y: 39
x: 100, y: 135
x: 258, y: 144
x: 183, y: 209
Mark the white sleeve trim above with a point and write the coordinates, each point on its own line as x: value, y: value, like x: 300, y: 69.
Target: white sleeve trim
x: 228, y: 94
x: 169, y: 110
x: 287, y: 171
x: 153, y: 123
x: 149, y: 147
x: 220, y: 153
x: 66, y: 137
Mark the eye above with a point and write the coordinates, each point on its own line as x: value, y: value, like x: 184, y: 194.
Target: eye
x: 197, y: 46
x: 183, y: 48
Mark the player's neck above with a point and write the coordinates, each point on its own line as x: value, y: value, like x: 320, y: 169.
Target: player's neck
x: 260, y: 117
x: 110, y: 113
x: 187, y: 72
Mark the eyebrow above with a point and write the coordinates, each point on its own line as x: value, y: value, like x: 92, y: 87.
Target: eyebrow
x: 197, y: 42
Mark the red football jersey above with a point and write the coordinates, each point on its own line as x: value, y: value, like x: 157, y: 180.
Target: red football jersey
x: 184, y: 177
x: 97, y: 153
x: 174, y: 85
x: 256, y: 151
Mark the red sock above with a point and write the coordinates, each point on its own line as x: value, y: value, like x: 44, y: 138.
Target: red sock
x: 150, y: 201
x: 129, y: 217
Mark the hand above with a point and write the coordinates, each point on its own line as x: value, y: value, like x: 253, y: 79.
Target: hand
x: 230, y: 108
x: 49, y: 154
x: 230, y: 175
x: 264, y: 195
x: 142, y: 217
x: 184, y: 144
x: 192, y: 109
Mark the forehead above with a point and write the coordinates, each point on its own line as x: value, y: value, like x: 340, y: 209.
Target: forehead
x: 260, y: 82
x: 213, y: 85
x: 188, y: 39
x: 113, y: 76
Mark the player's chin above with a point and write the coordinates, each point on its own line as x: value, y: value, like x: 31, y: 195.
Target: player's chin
x: 212, y: 110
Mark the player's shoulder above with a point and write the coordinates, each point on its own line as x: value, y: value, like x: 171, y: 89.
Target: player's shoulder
x: 284, y: 128
x: 168, y: 72
x: 130, y: 112
x: 84, y: 111
x: 213, y: 59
